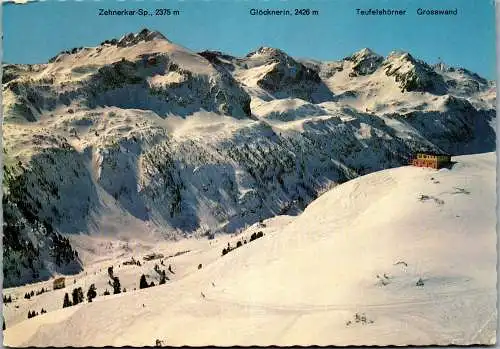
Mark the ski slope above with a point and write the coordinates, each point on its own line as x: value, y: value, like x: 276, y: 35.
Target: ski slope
x: 360, y: 248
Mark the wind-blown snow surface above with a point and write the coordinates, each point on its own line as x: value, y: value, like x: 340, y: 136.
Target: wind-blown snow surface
x: 359, y: 248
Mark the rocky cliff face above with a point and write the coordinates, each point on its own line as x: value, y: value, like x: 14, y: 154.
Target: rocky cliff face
x: 413, y: 75
x: 33, y: 246
x: 141, y: 136
x: 365, y: 62
x: 287, y: 77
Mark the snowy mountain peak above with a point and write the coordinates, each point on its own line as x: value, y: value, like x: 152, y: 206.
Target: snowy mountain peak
x: 281, y: 76
x: 144, y: 35
x: 267, y: 51
x: 127, y: 40
x: 465, y: 73
x: 363, y: 53
x: 365, y: 62
x: 398, y: 54
x: 268, y: 55
x: 412, y: 74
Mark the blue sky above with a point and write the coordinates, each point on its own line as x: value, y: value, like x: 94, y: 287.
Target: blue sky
x: 35, y: 32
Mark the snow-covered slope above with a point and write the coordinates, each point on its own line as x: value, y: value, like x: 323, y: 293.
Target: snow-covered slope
x: 401, y: 256
x: 142, y: 138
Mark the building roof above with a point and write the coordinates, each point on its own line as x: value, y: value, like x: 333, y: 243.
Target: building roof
x: 432, y: 153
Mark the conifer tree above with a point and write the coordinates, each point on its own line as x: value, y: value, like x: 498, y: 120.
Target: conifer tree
x: 67, y: 302
x: 116, y: 285
x: 91, y: 293
x: 81, y: 297
x: 77, y: 295
x: 143, y: 283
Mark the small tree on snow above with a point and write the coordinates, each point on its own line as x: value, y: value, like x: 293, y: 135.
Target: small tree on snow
x: 74, y: 294
x: 116, y: 285
x: 77, y: 295
x: 91, y: 293
x: 66, y: 302
x: 143, y: 283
